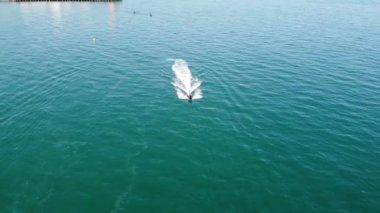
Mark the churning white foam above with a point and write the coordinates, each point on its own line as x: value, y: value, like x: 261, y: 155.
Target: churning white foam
x: 185, y: 83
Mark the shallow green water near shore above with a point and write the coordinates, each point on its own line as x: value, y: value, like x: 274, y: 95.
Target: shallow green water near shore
x: 289, y: 122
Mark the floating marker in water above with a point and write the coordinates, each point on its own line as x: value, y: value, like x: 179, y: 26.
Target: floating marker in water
x: 186, y: 85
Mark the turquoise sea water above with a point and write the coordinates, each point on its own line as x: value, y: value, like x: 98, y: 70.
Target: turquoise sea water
x: 289, y: 122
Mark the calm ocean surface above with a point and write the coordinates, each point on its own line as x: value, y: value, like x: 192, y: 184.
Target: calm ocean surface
x: 289, y: 122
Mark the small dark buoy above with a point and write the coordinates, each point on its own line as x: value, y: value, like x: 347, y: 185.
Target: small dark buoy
x: 150, y: 14
x: 134, y: 12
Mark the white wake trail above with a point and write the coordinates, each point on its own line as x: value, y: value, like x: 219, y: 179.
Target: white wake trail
x: 186, y: 85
